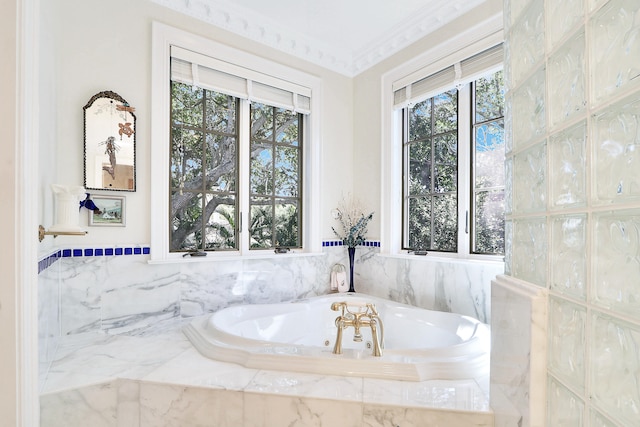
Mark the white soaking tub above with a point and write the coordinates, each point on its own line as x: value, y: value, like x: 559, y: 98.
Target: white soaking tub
x: 299, y: 336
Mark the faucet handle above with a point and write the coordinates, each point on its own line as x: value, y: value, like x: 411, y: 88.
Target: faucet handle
x: 336, y: 306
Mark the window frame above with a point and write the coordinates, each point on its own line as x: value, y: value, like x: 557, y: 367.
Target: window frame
x: 473, y: 190
x: 465, y: 170
x: 163, y: 37
x: 477, y: 39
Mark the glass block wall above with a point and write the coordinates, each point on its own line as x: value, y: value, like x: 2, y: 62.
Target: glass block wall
x: 573, y: 136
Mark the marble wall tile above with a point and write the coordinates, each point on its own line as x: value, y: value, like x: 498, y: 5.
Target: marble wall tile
x: 48, y: 318
x: 94, y: 406
x: 615, y: 368
x: 518, y: 352
x: 97, y: 357
x: 461, y: 287
x: 439, y: 394
x: 385, y: 416
x: 124, y: 294
x: 266, y: 410
x: 128, y: 412
x: 136, y: 295
x: 190, y: 368
x: 163, y: 405
x: 81, y: 284
x: 207, y: 287
x: 346, y: 389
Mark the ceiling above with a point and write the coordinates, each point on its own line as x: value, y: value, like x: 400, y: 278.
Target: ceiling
x: 346, y: 36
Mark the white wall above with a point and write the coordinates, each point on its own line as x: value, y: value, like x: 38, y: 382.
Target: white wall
x: 18, y: 312
x: 108, y: 47
x: 9, y: 312
x: 367, y: 98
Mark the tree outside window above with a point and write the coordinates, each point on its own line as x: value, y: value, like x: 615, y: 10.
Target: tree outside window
x: 205, y: 201
x: 432, y: 179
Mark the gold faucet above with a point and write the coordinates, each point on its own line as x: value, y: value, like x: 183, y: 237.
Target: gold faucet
x: 365, y: 315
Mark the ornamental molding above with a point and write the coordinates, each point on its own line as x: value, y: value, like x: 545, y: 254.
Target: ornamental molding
x: 262, y: 29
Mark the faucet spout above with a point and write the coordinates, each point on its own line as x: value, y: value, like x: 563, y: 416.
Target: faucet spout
x: 357, y: 316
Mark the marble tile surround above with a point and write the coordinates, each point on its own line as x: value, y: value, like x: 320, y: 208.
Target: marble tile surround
x: 159, y: 379
x: 124, y: 293
x: 518, y: 352
x: 91, y: 304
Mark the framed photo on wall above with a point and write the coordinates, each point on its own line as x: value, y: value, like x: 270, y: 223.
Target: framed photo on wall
x: 111, y: 211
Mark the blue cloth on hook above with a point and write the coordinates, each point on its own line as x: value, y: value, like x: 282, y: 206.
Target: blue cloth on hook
x: 88, y: 203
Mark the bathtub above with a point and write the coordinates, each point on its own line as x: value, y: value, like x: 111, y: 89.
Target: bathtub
x: 299, y: 336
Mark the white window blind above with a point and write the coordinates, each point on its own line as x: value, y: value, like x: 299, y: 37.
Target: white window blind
x: 459, y: 73
x: 210, y: 73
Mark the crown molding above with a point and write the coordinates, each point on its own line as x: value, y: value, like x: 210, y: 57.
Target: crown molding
x: 422, y: 23
x: 262, y: 29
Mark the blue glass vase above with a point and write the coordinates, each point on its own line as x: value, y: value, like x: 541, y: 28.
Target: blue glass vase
x: 352, y: 253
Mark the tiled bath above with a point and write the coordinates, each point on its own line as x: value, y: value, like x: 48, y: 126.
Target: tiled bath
x: 113, y: 354
x: 159, y: 379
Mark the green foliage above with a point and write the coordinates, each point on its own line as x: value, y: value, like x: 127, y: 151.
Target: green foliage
x: 203, y: 168
x: 275, y: 177
x: 432, y: 179
x: 488, y: 161
x: 431, y: 150
x: 204, y: 172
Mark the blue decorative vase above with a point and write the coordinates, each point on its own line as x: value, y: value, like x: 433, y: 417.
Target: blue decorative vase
x: 352, y: 253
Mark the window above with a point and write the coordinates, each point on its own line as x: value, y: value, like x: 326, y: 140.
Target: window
x: 205, y: 203
x: 204, y: 169
x: 443, y: 135
x: 488, y: 156
x: 430, y: 185
x: 432, y: 140
x: 276, y: 195
x: 235, y: 148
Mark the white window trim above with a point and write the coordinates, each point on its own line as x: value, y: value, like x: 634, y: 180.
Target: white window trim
x: 163, y: 37
x: 466, y: 44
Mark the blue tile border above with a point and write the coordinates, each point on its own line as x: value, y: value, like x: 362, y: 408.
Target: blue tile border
x: 49, y: 260
x: 370, y: 243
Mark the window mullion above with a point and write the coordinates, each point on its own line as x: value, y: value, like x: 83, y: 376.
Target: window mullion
x: 204, y: 190
x: 272, y: 197
x: 244, y: 163
x: 464, y: 166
